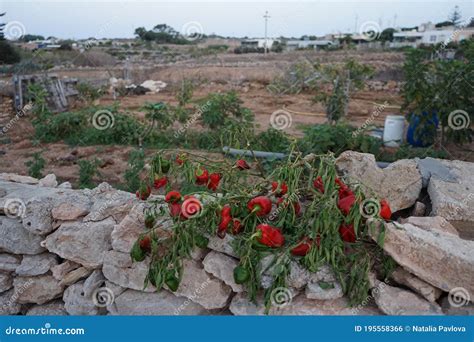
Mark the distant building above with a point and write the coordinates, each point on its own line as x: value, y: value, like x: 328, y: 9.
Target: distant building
x: 428, y: 34
x: 257, y: 43
x: 292, y: 45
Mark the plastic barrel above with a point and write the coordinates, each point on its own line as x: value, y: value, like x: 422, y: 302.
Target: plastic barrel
x: 393, y: 130
x: 422, y: 137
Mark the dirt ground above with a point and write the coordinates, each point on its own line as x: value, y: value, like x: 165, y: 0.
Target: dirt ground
x: 248, y: 75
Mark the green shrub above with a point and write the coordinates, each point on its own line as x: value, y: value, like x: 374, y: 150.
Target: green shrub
x: 87, y: 170
x: 36, y: 165
x: 136, y: 163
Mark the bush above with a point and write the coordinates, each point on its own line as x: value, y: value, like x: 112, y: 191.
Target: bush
x: 136, y: 163
x: 36, y: 165
x: 87, y: 170
x: 8, y: 54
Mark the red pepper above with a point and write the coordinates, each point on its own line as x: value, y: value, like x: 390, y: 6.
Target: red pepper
x: 260, y: 205
x: 340, y: 183
x: 318, y: 184
x: 270, y: 236
x: 144, y: 192
x: 385, y: 211
x: 175, y: 209
x: 236, y: 227
x: 145, y: 243
x: 303, y: 247
x: 214, y: 179
x: 345, y: 204
x: 160, y: 182
x: 202, y: 176
x: 347, y: 232
x: 297, y: 207
x: 179, y: 160
x: 226, y: 218
x: 172, y: 197
x: 282, y: 188
x: 242, y: 164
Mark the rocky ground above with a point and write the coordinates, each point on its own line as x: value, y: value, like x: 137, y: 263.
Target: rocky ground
x: 66, y: 252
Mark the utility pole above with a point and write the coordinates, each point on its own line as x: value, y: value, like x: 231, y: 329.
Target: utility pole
x: 395, y: 21
x: 356, y: 22
x: 266, y: 16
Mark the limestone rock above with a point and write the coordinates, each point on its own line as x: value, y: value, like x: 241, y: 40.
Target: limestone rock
x: 324, y: 290
x: 33, y: 265
x: 199, y: 287
x: 419, y: 209
x: 9, y: 262
x: 6, y: 282
x: 129, y: 229
x: 298, y: 306
x: 419, y: 286
x: 453, y: 200
x: 222, y: 266
x: 54, y: 308
x: 11, y: 177
x: 68, y: 211
x: 17, y: 240
x: 93, y: 282
x: 65, y: 185
x: 37, y: 218
x: 8, y: 304
x: 76, y: 303
x: 222, y: 245
x: 84, y: 243
x: 108, y: 202
x: 299, y: 276
x: 119, y: 269
x: 38, y: 290
x: 443, y: 260
x: 433, y: 223
x: 400, y: 183
x: 60, y: 271
x: 48, y: 181
x: 73, y: 276
x: 396, y: 301
x: 133, y: 302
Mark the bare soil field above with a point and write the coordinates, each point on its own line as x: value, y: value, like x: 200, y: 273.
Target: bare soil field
x: 248, y: 75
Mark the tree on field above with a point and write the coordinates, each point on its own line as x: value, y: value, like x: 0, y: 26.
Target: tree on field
x: 8, y: 54
x: 387, y: 35
x: 455, y: 16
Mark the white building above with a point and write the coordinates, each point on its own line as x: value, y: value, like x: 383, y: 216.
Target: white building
x: 308, y: 44
x: 258, y: 43
x: 428, y: 34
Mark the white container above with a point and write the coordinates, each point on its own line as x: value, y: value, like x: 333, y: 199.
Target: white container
x: 393, y: 130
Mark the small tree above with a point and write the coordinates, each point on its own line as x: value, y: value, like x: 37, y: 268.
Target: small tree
x: 455, y: 16
x: 8, y: 54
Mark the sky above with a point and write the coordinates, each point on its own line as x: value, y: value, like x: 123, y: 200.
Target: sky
x: 119, y: 19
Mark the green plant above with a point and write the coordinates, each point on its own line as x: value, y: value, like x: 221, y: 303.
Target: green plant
x: 87, y: 171
x: 136, y: 163
x: 440, y: 88
x: 36, y: 165
x: 221, y: 109
x: 88, y: 93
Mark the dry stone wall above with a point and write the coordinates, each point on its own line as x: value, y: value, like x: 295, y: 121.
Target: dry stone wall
x: 66, y: 252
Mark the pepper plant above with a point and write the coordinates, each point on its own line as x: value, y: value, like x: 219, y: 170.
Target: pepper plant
x: 300, y: 210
